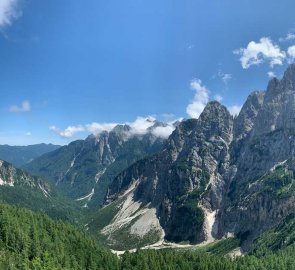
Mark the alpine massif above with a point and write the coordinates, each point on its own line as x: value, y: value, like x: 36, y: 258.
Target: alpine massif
x: 216, y: 177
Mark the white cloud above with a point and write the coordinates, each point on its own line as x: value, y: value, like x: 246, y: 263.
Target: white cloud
x: 271, y: 74
x: 235, y: 109
x: 163, y: 132
x: 200, y: 100
x: 69, y: 131
x: 141, y: 126
x: 218, y: 98
x: 28, y: 133
x: 291, y: 51
x: 262, y: 51
x: 25, y: 107
x: 96, y: 128
x: 290, y: 36
x: 8, y: 11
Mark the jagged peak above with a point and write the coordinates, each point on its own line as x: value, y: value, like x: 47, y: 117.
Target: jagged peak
x: 255, y: 99
x: 212, y: 108
x: 121, y: 128
x: 286, y: 83
x: 290, y: 72
x: 244, y: 123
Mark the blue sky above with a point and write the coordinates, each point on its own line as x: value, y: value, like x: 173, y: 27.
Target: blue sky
x: 72, y: 63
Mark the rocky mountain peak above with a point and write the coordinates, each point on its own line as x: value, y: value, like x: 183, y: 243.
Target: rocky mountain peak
x: 244, y: 123
x: 216, y: 120
x: 289, y: 76
x: 278, y: 109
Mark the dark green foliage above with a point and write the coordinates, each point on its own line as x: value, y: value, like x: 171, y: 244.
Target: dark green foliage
x: 56, y: 206
x: 280, y: 182
x: 102, y: 217
x: 275, y: 239
x: 223, y: 247
x: 201, y: 260
x: 33, y: 241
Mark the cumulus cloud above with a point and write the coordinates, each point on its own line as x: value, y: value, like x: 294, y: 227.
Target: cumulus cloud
x: 9, y: 10
x: 163, y: 132
x: 201, y: 98
x: 271, y: 74
x: 258, y: 52
x: 291, y: 52
x: 96, y: 128
x: 234, y: 110
x: 24, y: 107
x: 141, y: 125
x: 290, y: 36
x: 69, y: 131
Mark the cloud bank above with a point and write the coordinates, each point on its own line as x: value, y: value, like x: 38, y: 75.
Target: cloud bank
x: 141, y: 126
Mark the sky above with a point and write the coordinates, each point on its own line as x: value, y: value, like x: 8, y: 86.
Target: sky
x: 69, y: 68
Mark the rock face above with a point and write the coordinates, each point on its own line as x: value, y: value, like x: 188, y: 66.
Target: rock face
x: 83, y: 169
x: 217, y: 176
x: 253, y: 204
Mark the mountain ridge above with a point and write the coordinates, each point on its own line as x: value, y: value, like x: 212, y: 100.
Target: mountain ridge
x: 84, y: 168
x: 20, y: 155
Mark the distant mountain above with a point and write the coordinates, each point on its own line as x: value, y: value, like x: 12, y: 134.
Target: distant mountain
x: 24, y: 190
x: 216, y: 177
x: 83, y: 169
x: 20, y: 155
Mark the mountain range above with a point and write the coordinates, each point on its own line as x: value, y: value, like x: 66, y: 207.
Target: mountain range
x: 83, y: 169
x: 221, y: 182
x: 20, y: 155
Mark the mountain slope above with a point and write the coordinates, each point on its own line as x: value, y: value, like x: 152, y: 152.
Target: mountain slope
x: 20, y: 155
x: 23, y: 190
x: 84, y: 169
